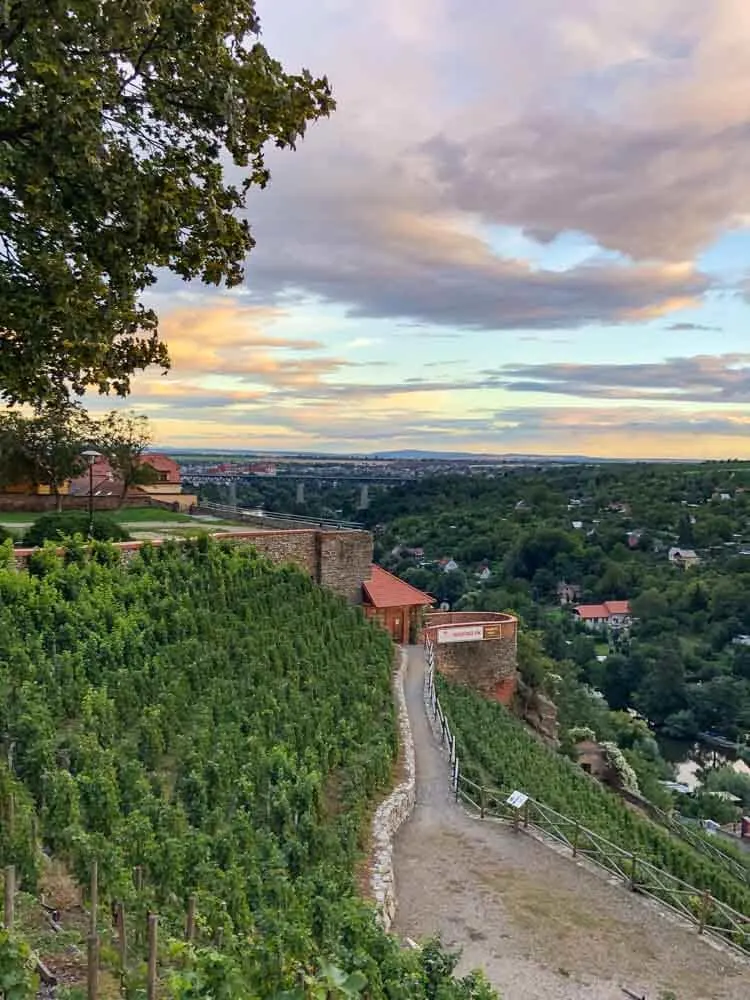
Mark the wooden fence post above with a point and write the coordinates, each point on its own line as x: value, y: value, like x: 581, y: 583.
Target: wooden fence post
x: 705, y: 910
x: 94, y: 896
x: 634, y: 872
x: 526, y: 815
x: 122, y: 938
x: 93, y: 966
x: 576, y: 832
x: 481, y: 802
x: 153, y: 944
x: 190, y: 924
x: 10, y: 896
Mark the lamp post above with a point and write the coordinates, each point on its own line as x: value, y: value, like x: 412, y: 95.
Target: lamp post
x: 91, y: 456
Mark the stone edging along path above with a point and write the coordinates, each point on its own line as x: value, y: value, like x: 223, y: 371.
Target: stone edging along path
x: 391, y: 813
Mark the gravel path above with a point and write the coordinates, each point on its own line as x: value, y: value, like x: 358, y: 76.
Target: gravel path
x: 540, y: 925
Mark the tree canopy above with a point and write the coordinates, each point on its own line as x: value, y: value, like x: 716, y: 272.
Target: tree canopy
x: 117, y: 118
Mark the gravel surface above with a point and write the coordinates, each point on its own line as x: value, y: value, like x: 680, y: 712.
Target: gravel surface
x: 540, y: 925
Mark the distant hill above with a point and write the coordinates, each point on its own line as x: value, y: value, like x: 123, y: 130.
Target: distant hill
x: 468, y: 456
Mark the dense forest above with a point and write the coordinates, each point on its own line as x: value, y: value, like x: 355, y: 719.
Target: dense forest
x: 509, y: 540
x: 607, y: 531
x: 222, y: 726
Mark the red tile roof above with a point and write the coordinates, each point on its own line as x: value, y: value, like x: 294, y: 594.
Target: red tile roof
x: 589, y: 611
x: 618, y: 607
x: 384, y: 590
x: 163, y: 463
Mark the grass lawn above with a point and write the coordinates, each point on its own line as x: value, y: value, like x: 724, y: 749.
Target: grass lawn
x: 128, y: 515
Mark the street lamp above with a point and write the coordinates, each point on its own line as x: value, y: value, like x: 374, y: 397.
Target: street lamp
x: 91, y: 456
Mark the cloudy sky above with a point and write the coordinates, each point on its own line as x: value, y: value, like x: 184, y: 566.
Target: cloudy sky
x: 525, y: 229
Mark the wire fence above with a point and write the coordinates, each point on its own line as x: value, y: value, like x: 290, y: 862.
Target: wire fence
x: 523, y: 812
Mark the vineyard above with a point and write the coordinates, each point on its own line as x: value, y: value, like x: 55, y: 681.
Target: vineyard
x: 220, y: 727
x: 495, y: 749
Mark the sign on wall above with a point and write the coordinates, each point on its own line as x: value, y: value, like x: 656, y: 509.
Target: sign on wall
x: 460, y: 633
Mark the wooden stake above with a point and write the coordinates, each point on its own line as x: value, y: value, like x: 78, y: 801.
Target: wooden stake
x: 190, y: 924
x: 94, y: 896
x: 10, y: 896
x: 705, y: 908
x: 122, y: 937
x: 93, y: 966
x: 481, y: 802
x: 633, y: 875
x: 153, y: 943
x: 576, y: 833
x: 526, y: 815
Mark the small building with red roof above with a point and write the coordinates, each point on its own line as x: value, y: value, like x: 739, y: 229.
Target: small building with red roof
x: 394, y: 603
x: 609, y: 614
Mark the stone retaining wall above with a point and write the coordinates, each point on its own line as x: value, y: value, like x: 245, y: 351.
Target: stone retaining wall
x: 393, y: 811
x: 339, y: 560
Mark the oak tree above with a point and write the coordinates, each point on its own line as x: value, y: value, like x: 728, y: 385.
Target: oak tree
x: 118, y: 121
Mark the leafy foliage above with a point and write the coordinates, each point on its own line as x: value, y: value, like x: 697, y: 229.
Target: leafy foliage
x: 683, y: 665
x: 17, y: 979
x: 113, y: 119
x: 224, y: 724
x: 45, y: 448
x: 123, y: 439
x: 55, y: 527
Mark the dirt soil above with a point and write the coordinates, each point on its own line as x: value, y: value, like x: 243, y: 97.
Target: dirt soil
x: 541, y: 925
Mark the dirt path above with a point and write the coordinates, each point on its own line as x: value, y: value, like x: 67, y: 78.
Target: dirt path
x: 540, y: 925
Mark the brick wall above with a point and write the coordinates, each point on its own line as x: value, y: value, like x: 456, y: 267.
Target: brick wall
x: 339, y: 560
x: 41, y: 504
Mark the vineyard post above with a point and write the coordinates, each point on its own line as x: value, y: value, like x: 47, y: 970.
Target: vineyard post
x: 122, y: 938
x: 10, y: 896
x: 94, y: 896
x: 93, y: 966
x: 190, y: 924
x: 633, y: 872
x: 153, y: 940
x: 705, y: 909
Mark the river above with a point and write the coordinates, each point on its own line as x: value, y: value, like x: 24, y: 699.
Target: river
x: 689, y: 758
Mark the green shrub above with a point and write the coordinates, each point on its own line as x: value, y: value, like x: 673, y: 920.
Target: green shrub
x: 5, y: 534
x: 54, y: 527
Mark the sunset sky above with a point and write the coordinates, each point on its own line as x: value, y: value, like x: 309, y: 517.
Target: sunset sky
x: 525, y: 229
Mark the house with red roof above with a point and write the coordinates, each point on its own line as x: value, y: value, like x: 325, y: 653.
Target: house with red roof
x: 166, y: 485
x: 609, y: 614
x: 395, y: 604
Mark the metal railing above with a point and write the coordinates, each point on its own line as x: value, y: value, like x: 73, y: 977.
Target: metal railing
x: 698, y: 906
x: 276, y: 517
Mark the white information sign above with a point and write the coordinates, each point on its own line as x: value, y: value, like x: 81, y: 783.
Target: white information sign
x: 517, y: 800
x: 460, y: 633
